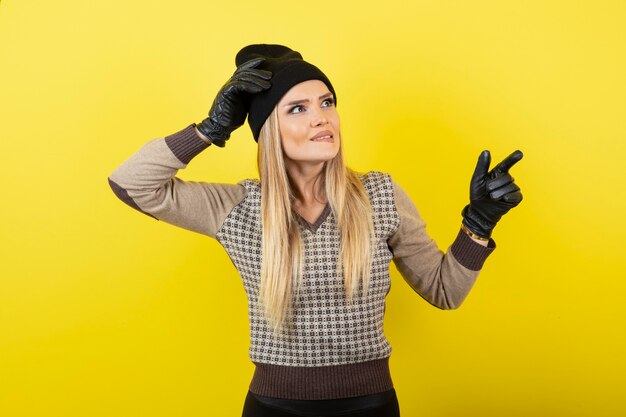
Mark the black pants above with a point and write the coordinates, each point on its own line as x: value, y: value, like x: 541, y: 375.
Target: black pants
x: 378, y: 405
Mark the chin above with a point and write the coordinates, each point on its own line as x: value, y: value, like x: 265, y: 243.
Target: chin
x: 313, y: 155
x: 327, y: 156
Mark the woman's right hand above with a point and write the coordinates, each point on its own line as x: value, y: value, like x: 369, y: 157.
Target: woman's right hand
x: 230, y: 106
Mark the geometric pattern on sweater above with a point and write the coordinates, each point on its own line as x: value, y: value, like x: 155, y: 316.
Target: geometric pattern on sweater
x: 324, y: 329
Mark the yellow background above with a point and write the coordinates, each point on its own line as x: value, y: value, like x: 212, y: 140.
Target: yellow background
x: 107, y: 312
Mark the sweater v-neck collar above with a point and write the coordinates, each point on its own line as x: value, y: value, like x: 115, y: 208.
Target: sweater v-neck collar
x: 312, y: 227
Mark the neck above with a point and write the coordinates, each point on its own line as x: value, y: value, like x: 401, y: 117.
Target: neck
x: 306, y: 183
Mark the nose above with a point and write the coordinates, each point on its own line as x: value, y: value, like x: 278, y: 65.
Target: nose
x: 319, y: 118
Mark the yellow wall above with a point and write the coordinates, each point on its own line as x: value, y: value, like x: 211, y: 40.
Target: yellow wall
x: 105, y: 311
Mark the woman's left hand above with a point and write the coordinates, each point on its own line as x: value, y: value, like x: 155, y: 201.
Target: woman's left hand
x: 492, y: 194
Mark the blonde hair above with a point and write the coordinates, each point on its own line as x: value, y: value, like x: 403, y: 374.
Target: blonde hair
x: 282, y: 250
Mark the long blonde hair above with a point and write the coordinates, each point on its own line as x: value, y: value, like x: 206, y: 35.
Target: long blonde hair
x: 282, y: 249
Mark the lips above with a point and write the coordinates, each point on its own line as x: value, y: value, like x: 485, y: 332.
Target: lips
x: 320, y: 136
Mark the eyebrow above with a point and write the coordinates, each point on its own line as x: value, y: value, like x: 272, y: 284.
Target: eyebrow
x: 306, y: 100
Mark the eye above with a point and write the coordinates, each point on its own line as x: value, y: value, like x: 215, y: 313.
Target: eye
x: 330, y: 101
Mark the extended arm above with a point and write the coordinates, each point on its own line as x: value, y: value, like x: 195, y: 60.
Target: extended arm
x: 442, y: 279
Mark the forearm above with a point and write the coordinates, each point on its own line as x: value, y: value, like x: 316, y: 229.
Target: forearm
x: 147, y: 182
x: 157, y: 162
x: 201, y: 136
x: 443, y: 279
x: 480, y: 242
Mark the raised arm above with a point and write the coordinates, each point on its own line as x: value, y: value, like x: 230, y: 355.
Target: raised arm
x: 147, y: 181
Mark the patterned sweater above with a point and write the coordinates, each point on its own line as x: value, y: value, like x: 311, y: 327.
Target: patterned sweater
x: 333, y: 349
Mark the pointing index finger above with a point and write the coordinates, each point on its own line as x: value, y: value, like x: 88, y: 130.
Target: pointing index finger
x: 508, y: 162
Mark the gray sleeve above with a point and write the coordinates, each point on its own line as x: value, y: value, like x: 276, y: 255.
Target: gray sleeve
x: 442, y: 279
x: 146, y: 182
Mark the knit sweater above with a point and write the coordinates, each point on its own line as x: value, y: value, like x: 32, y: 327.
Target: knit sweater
x: 333, y: 349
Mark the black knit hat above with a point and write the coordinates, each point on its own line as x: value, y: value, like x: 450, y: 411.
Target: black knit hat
x: 288, y: 69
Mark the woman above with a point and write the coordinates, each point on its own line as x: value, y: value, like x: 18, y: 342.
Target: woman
x: 312, y: 239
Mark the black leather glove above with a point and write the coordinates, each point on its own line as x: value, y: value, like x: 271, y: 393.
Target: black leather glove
x: 492, y: 194
x: 230, y: 106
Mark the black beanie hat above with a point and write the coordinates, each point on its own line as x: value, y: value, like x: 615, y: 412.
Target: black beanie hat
x: 288, y: 69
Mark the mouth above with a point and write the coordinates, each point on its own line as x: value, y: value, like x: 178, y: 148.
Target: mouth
x: 325, y: 136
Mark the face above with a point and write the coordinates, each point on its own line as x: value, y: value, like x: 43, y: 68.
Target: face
x: 305, y: 111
